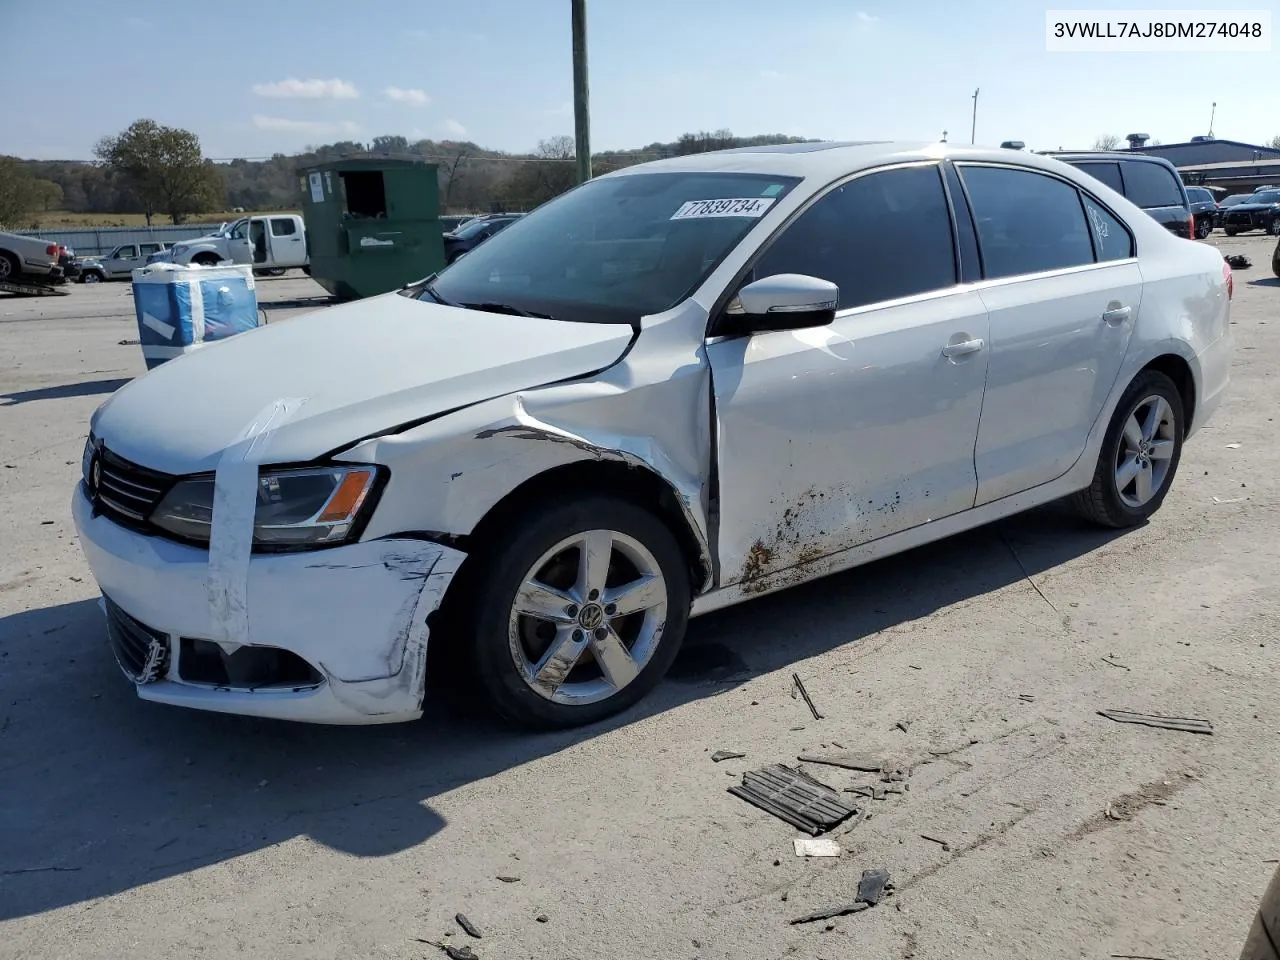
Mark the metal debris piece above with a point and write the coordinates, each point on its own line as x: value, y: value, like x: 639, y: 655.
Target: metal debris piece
x: 946, y: 847
x: 450, y: 951
x: 1027, y: 697
x: 509, y: 879
x: 1112, y: 662
x: 794, y: 796
x: 1228, y: 499
x: 807, y: 699
x: 467, y: 925
x: 1233, y: 446
x: 830, y: 912
x: 902, y: 725
x: 849, y: 761
x: 1184, y: 724
x: 542, y: 918
x: 872, y: 885
x: 816, y: 847
x: 726, y: 755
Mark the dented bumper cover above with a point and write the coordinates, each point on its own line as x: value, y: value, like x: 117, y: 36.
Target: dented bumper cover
x: 357, y: 614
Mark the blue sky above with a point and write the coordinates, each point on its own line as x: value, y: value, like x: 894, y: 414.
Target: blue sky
x: 254, y: 78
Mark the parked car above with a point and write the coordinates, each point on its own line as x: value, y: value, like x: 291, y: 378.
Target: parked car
x: 1150, y: 182
x: 1227, y: 202
x: 676, y: 387
x: 1261, y: 211
x: 123, y: 259
x: 271, y: 243
x: 28, y: 256
x: 91, y: 270
x: 473, y: 233
x: 1204, y: 208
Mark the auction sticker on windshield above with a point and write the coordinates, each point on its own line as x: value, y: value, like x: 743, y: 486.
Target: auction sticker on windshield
x: 734, y: 207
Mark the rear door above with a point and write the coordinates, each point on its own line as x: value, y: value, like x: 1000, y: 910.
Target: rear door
x: 1063, y: 288
x: 285, y: 238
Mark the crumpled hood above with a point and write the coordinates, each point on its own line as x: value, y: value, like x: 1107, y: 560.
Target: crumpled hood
x: 361, y: 368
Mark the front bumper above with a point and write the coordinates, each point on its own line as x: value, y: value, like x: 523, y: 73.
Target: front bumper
x: 357, y: 614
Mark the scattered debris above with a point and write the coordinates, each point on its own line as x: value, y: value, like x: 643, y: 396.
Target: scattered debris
x: 509, y: 879
x: 542, y: 918
x: 805, y: 693
x: 1238, y: 261
x: 1027, y: 697
x: 849, y: 761
x: 1233, y: 446
x: 1229, y: 499
x: 471, y: 929
x: 902, y: 725
x: 951, y: 750
x: 1184, y: 724
x: 1111, y: 662
x: 1137, y: 956
x: 946, y: 847
x: 726, y: 755
x: 795, y: 729
x: 914, y: 667
x: 128, y: 343
x: 794, y: 796
x: 46, y: 523
x: 831, y: 912
x: 872, y: 886
x: 893, y: 776
x: 816, y: 847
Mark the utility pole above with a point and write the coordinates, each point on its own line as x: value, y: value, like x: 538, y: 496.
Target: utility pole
x: 1213, y: 113
x: 581, y: 116
x: 973, y: 130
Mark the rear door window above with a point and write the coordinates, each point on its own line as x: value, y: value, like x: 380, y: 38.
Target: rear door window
x: 1151, y: 185
x: 1108, y: 173
x: 1027, y: 222
x: 878, y: 237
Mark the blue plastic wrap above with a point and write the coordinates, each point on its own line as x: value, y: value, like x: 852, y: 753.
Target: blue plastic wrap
x: 179, y: 309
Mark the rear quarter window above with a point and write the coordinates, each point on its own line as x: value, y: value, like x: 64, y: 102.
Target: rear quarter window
x: 1108, y: 173
x: 1151, y: 185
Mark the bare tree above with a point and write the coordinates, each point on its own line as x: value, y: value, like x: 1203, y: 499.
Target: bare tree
x: 1108, y: 141
x: 452, y: 175
x: 1274, y: 142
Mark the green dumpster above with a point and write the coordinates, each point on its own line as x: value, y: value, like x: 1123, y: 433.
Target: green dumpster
x: 372, y: 224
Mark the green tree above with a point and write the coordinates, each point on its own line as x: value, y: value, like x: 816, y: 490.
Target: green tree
x: 48, y: 194
x: 18, y: 196
x: 164, y: 168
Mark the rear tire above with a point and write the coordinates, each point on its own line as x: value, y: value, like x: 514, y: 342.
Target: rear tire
x: 1230, y: 231
x: 1273, y: 227
x: 9, y: 266
x: 1139, y: 455
x: 611, y: 658
x: 1203, y: 229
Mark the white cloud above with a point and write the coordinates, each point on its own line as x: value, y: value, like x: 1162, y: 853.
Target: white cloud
x: 867, y: 17
x: 413, y: 98
x: 314, y: 127
x: 770, y: 75
x: 454, y: 128
x: 313, y: 89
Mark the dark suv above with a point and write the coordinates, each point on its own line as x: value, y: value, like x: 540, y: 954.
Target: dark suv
x: 1151, y: 183
x: 1260, y: 212
x: 1204, y: 208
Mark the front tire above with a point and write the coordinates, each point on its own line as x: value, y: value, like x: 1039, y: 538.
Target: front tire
x: 1203, y: 229
x: 1230, y: 231
x: 578, y: 612
x: 1139, y: 456
x: 1273, y: 227
x: 91, y: 277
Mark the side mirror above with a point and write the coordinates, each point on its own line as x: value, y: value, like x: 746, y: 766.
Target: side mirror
x: 785, y: 301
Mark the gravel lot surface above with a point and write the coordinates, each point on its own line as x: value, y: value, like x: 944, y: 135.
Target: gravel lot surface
x: 131, y: 829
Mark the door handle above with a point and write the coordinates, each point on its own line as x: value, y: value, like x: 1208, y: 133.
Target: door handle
x: 962, y: 349
x: 1116, y: 314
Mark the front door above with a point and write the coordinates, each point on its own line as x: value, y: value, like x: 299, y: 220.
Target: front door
x: 239, y: 248
x: 837, y: 435
x: 258, y: 240
x: 287, y: 246
x: 122, y: 260
x: 1063, y: 304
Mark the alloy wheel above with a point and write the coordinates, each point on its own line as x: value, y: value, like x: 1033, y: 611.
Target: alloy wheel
x: 588, y: 617
x: 1145, y: 452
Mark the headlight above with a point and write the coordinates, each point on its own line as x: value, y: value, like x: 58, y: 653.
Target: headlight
x: 310, y: 507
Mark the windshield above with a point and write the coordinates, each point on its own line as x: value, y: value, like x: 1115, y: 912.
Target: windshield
x: 614, y: 249
x: 1266, y: 196
x: 1235, y: 198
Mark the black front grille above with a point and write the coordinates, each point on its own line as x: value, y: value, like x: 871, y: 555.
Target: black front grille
x: 1241, y: 219
x: 127, y: 492
x: 141, y: 651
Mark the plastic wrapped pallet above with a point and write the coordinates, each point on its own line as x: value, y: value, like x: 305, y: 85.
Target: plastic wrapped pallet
x: 181, y: 308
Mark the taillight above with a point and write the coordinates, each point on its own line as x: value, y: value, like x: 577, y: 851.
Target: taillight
x: 1191, y: 226
x: 51, y: 249
x: 1226, y: 275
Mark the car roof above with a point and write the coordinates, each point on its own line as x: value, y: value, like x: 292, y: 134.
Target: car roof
x: 827, y: 160
x: 1107, y: 155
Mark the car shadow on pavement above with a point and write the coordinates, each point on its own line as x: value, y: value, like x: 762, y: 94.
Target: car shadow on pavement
x: 88, y: 388
x: 101, y: 792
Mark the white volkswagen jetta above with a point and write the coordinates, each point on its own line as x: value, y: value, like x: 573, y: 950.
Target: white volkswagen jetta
x: 672, y: 389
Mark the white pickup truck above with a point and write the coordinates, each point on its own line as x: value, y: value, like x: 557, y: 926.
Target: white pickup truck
x: 271, y: 243
x: 27, y: 256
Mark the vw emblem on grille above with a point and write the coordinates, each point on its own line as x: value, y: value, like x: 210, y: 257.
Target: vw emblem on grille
x: 95, y: 477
